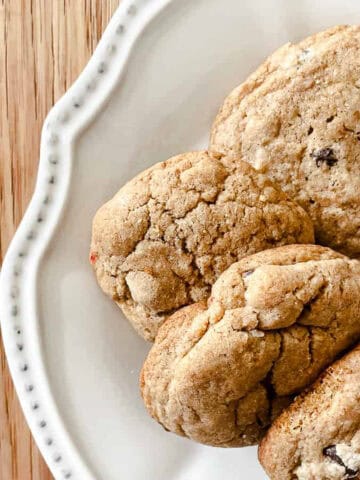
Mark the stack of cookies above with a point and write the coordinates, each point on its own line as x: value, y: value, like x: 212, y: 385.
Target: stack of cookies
x: 241, y: 264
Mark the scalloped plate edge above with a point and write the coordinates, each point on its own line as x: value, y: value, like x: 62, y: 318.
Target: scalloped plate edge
x: 18, y: 279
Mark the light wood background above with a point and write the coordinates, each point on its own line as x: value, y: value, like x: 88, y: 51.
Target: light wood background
x: 44, y: 45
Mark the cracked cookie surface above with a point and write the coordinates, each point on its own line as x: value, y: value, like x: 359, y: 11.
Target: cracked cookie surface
x: 220, y: 373
x: 297, y: 119
x: 318, y: 436
x: 168, y: 234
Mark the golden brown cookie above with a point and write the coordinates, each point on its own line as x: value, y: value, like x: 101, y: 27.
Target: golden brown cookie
x: 297, y: 119
x: 166, y: 236
x: 318, y: 436
x: 219, y: 374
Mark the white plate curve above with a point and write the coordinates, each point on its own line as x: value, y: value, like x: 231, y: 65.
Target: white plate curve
x: 150, y: 90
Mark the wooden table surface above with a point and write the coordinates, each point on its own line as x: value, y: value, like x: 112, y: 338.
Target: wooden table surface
x: 44, y: 45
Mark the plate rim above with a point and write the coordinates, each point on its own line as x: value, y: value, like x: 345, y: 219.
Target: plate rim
x: 18, y: 279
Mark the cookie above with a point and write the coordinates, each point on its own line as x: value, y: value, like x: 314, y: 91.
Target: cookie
x: 297, y: 119
x: 166, y: 236
x: 220, y: 373
x: 318, y: 436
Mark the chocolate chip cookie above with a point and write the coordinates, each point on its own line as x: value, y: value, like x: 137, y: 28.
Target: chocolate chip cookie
x: 220, y: 373
x: 318, y: 436
x: 297, y: 119
x: 168, y: 234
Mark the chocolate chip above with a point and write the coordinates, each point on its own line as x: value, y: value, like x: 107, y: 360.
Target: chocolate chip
x: 330, y: 119
x: 324, y: 155
x: 310, y: 131
x: 331, y: 452
x: 312, y: 201
x: 351, y: 474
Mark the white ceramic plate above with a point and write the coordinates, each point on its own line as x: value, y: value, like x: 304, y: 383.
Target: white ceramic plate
x: 150, y: 91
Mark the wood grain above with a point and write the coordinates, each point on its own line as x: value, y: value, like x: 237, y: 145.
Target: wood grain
x: 44, y: 45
